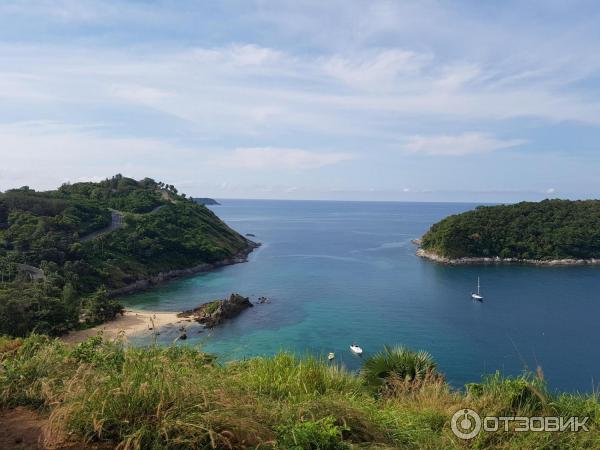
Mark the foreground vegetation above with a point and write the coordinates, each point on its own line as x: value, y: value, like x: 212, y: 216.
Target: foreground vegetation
x: 547, y: 230
x: 62, y: 251
x: 107, y: 395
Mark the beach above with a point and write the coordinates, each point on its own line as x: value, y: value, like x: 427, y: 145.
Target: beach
x: 130, y: 323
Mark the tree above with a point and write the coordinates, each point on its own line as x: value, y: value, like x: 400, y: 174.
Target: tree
x: 100, y: 307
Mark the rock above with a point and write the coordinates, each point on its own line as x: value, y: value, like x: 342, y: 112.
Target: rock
x: 263, y: 299
x: 497, y: 260
x: 214, y: 313
x: 250, y: 235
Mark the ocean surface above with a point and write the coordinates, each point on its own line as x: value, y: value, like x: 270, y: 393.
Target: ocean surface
x: 344, y: 272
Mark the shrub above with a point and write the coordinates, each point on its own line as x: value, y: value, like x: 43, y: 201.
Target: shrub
x: 526, y: 394
x: 399, y: 363
x: 321, y: 434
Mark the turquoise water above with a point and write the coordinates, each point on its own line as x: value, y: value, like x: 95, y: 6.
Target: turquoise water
x: 338, y: 272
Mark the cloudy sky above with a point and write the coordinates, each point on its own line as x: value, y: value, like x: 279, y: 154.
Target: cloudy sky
x: 365, y: 100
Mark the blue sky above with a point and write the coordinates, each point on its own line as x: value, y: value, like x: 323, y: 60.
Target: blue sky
x: 359, y: 100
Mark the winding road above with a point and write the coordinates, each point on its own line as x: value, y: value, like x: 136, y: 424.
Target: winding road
x: 115, y: 223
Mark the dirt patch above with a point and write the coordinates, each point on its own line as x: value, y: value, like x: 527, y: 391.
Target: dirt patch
x: 22, y: 429
x: 25, y: 429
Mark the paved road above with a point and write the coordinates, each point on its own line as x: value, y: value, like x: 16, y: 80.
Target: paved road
x: 115, y: 223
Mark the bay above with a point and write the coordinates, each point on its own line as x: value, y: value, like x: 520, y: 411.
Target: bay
x: 343, y: 272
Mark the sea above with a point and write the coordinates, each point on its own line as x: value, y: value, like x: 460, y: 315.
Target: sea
x: 337, y: 273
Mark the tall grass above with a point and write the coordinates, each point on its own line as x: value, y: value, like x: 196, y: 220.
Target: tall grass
x: 180, y: 398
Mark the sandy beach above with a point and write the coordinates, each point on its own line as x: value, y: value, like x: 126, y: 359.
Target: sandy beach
x: 130, y: 323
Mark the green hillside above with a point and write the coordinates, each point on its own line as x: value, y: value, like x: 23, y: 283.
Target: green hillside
x: 547, y: 230
x: 62, y: 250
x: 106, y: 395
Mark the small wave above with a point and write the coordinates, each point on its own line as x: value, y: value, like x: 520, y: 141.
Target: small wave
x: 333, y: 257
x: 388, y: 246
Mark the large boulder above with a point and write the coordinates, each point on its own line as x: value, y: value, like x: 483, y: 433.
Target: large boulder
x: 214, y: 313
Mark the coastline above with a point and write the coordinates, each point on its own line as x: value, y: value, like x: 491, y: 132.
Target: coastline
x: 497, y: 260
x: 131, y: 322
x: 164, y: 277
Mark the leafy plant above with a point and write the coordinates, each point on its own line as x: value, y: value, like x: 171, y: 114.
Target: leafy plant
x: 321, y: 434
x: 397, y: 362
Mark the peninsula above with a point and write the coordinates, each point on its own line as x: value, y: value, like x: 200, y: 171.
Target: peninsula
x: 65, y: 254
x: 551, y: 232
x: 206, y: 201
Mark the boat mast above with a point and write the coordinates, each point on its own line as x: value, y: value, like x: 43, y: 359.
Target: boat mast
x: 477, y: 285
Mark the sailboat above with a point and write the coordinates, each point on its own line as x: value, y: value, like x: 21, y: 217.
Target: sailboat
x: 477, y: 296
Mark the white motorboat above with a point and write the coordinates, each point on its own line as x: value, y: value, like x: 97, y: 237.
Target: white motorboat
x: 331, y: 356
x: 356, y: 349
x: 477, y: 296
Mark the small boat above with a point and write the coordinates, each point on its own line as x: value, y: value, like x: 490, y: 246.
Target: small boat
x: 330, y: 356
x: 477, y: 296
x: 356, y: 349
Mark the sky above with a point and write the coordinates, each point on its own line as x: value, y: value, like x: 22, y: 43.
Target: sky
x: 343, y: 99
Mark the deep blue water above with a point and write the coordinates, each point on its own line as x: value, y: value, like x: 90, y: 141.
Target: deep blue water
x: 338, y: 272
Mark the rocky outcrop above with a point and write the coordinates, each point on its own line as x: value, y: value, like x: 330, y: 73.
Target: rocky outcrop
x: 163, y: 277
x: 497, y: 260
x: 33, y: 273
x: 214, y: 313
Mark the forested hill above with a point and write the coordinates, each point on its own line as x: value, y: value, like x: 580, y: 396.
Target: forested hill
x: 547, y: 230
x: 206, y: 201
x: 62, y: 250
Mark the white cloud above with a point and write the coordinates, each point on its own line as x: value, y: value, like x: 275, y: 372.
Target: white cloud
x: 270, y: 158
x: 458, y: 145
x: 377, y: 70
x: 136, y: 93
x: 166, y: 83
x: 45, y: 154
x: 249, y: 90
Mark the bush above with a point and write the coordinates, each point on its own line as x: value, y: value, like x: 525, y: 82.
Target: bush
x: 397, y: 362
x: 321, y: 434
x: 100, y: 307
x: 526, y: 394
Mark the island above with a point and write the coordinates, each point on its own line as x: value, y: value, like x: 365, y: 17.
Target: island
x: 550, y: 232
x: 206, y: 201
x: 66, y: 254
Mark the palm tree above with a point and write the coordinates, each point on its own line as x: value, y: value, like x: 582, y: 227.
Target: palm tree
x: 397, y: 362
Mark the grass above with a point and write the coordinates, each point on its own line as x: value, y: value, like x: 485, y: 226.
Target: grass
x: 103, y: 393
x: 211, y: 307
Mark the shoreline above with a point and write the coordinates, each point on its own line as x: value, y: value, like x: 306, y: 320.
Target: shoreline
x: 497, y: 260
x: 164, y: 277
x: 135, y: 321
x: 131, y: 322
